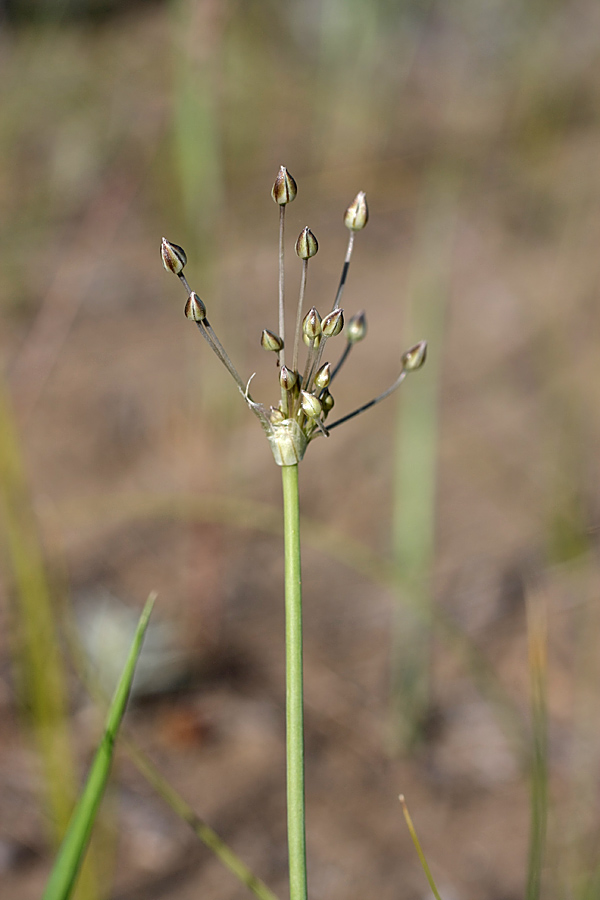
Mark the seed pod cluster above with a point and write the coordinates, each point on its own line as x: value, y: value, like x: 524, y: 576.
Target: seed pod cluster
x: 306, y: 400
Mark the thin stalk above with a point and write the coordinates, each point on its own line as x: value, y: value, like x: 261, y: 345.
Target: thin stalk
x: 281, y: 282
x: 222, y: 354
x: 299, y: 314
x: 371, y: 403
x: 209, y: 335
x: 338, y: 298
x: 341, y: 360
x: 308, y: 368
x: 294, y: 687
x: 344, y: 275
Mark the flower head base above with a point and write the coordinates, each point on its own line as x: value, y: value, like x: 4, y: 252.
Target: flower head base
x: 306, y: 400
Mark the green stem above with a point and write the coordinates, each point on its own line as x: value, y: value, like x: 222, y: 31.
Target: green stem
x: 294, y: 689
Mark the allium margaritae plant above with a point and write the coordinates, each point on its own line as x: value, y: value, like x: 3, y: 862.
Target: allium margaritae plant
x: 299, y: 416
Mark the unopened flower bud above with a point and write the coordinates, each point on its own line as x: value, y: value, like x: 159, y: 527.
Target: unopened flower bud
x: 327, y: 402
x: 357, y: 214
x: 271, y: 341
x: 414, y: 358
x: 311, y: 325
x: 287, y: 378
x: 309, y: 341
x: 284, y: 190
x: 356, y: 328
x: 323, y: 377
x: 311, y: 405
x: 173, y: 256
x: 333, y: 323
x: 195, y: 308
x: 276, y: 416
x: 306, y: 245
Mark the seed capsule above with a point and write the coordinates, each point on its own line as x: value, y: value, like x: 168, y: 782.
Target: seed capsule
x: 311, y: 405
x: 195, y: 308
x: 323, y: 377
x: 307, y: 244
x: 173, y: 256
x: 284, y: 190
x: 327, y: 402
x: 310, y: 343
x: 357, y: 328
x: 414, y: 358
x: 287, y: 378
x: 333, y: 323
x: 357, y: 214
x: 311, y: 325
x: 271, y: 341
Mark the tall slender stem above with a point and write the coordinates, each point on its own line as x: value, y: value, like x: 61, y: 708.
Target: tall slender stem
x: 294, y: 686
x: 281, y: 283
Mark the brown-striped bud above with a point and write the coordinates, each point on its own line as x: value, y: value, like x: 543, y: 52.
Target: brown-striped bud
x: 307, y: 244
x: 173, y: 256
x: 195, y: 308
x: 311, y: 405
x: 414, y: 358
x: 270, y: 341
x: 311, y: 324
x: 323, y: 377
x: 276, y: 416
x: 327, y: 402
x: 284, y: 190
x: 356, y: 328
x: 287, y: 378
x: 333, y: 323
x: 357, y: 214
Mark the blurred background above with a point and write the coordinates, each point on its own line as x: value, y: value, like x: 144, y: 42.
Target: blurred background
x: 451, y: 535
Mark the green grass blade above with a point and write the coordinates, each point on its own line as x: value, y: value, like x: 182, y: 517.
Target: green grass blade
x: 71, y: 853
x: 537, y: 636
x: 39, y: 668
x: 419, y: 849
x: 416, y: 460
x: 204, y: 832
x: 158, y: 782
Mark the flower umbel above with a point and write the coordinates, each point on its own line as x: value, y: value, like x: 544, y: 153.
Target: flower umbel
x: 305, y: 397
